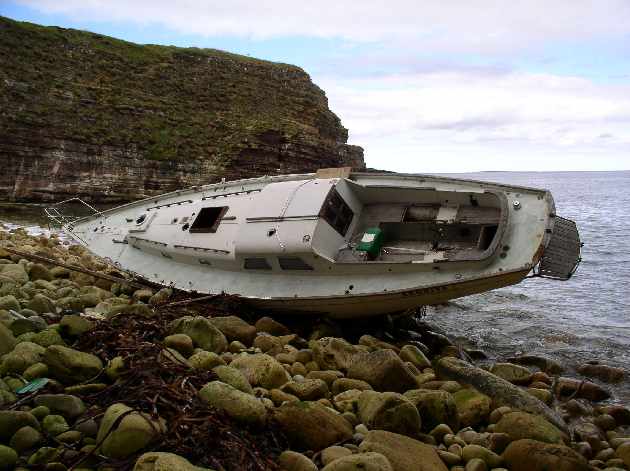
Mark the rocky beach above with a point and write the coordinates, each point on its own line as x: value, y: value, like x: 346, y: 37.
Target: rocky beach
x: 101, y: 372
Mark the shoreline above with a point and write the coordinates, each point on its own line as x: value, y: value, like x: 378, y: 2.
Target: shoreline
x: 315, y: 394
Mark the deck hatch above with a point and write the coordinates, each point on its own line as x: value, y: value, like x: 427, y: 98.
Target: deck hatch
x: 336, y: 212
x: 208, y: 219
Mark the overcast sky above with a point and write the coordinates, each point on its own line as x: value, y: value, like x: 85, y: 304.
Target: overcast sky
x: 423, y: 86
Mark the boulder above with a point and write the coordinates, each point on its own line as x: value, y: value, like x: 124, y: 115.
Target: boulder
x: 580, y: 389
x: 41, y: 304
x: 73, y: 325
x: 25, y: 438
x: 532, y: 455
x: 515, y: 374
x: 235, y: 328
x: 472, y: 407
x: 414, y: 355
x: 47, y: 337
x: 345, y: 384
x: 332, y: 353
x: 8, y: 458
x: 312, y: 426
x: 67, y: 405
x: 71, y: 366
x: 608, y: 374
x: 261, y: 370
x: 347, y: 401
x: 161, y: 461
x: 9, y: 303
x: 369, y: 461
x: 546, y: 364
x: 233, y: 377
x: 519, y: 425
x: 24, y: 354
x: 294, y: 461
x: 201, y: 331
x: 130, y: 430
x: 241, y: 406
x: 435, y: 407
x: 14, y: 272
x: 180, y: 342
x: 384, y: 370
x: 7, y: 340
x: 12, y: 420
x: 403, y: 453
x: 388, y: 411
x: 203, y: 360
x: 503, y: 392
x: 332, y: 453
x: 307, y: 390
x: 271, y: 326
x: 27, y: 324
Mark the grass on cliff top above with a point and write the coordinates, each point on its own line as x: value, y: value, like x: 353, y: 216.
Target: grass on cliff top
x: 155, y: 102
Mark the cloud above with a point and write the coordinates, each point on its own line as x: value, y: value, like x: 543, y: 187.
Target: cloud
x: 457, y: 25
x: 398, y: 118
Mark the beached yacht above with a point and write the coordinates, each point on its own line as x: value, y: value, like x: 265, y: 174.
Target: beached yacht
x: 337, y: 242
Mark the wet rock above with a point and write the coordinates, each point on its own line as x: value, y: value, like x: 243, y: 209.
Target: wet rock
x: 67, y: 405
x: 235, y: 328
x: 435, y: 407
x: 160, y: 297
x: 312, y: 426
x: 605, y: 422
x: 13, y: 272
x: 73, y: 325
x: 24, y: 354
x: 128, y: 435
x: 307, y: 390
x: 332, y: 353
x: 503, y: 393
x: 41, y: 304
x: 7, y: 340
x: 572, y: 387
x: 201, y: 331
x: 180, y: 342
x: 515, y: 374
x: 383, y: 370
x: 47, y: 337
x: 608, y: 374
x: 369, y: 461
x: 241, y: 406
x: 205, y: 360
x: 414, y: 355
x: 8, y: 458
x: 261, y: 370
x: 374, y: 343
x: 161, y: 461
x: 532, y: 455
x: 28, y: 324
x: 402, y: 452
x: 55, y: 425
x: 69, y: 365
x: 271, y: 326
x: 548, y: 365
x: 620, y: 413
x: 25, y: 438
x: 233, y: 377
x: 472, y: 407
x: 388, y: 411
x: 345, y: 384
x: 294, y: 461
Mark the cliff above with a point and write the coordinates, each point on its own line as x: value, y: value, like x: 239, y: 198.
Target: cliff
x: 87, y: 115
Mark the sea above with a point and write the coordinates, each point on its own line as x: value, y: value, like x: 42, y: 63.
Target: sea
x: 586, y: 318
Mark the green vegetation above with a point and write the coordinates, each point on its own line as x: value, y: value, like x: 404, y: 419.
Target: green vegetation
x: 156, y: 102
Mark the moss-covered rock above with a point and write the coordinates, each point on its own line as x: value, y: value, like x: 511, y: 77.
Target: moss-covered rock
x: 24, y: 354
x: 69, y: 365
x: 388, y: 411
x: 435, y: 407
x: 472, y: 406
x: 8, y: 458
x: 160, y: 461
x: 12, y: 420
x: 241, y: 406
x: 519, y: 425
x: 201, y: 331
x: 261, y: 370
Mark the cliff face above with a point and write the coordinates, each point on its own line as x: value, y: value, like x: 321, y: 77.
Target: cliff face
x: 111, y: 121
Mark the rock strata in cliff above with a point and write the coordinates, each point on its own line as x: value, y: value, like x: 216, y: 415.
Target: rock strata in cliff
x: 89, y: 115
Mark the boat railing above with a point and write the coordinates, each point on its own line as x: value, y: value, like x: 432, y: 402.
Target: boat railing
x: 59, y: 216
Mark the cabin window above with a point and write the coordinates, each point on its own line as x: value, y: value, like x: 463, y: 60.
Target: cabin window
x: 336, y: 212
x: 257, y: 264
x: 208, y: 219
x: 487, y: 236
x: 293, y: 263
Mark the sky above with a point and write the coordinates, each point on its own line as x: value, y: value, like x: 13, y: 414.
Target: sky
x: 423, y: 86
